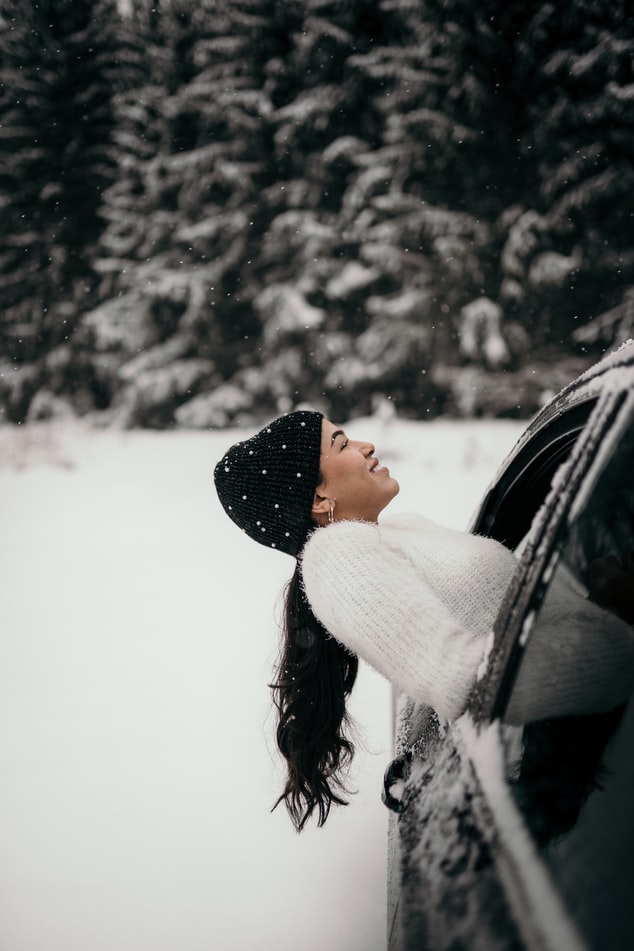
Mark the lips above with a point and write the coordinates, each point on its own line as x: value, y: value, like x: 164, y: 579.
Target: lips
x: 375, y: 468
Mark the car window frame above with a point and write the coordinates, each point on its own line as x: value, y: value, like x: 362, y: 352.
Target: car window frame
x: 612, y: 413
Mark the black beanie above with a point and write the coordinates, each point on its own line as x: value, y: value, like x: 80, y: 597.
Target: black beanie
x: 267, y: 483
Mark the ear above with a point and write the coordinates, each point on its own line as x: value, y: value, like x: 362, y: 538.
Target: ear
x: 321, y: 505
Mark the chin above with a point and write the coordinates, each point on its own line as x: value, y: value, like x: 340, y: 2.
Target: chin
x: 394, y: 491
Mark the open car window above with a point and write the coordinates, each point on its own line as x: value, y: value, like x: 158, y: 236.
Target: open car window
x: 528, y: 513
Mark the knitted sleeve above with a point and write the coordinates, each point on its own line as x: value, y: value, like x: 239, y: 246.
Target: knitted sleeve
x: 373, y: 600
x: 579, y: 658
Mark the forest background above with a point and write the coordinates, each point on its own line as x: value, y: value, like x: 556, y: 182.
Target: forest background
x: 216, y: 210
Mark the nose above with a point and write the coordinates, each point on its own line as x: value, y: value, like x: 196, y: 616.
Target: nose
x: 366, y: 448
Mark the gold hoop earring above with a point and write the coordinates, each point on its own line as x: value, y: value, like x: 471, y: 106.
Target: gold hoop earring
x: 331, y: 513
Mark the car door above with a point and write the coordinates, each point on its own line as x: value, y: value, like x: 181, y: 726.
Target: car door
x: 509, y: 836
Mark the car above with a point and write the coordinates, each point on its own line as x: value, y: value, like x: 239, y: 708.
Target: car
x: 521, y: 836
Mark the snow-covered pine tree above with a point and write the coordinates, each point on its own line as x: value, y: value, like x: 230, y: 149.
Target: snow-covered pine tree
x: 578, y: 63
x: 57, y: 72
x: 327, y: 130
x: 185, y: 216
x: 455, y: 123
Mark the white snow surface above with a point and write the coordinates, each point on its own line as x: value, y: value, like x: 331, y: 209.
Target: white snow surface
x: 136, y: 734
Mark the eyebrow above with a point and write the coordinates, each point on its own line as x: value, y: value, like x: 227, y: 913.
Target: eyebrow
x: 337, y: 432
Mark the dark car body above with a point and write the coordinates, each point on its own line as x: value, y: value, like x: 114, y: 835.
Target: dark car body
x: 501, y: 836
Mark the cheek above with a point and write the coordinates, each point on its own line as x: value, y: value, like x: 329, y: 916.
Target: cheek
x: 346, y: 475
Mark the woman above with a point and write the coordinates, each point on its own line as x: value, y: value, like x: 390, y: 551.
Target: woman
x: 413, y: 599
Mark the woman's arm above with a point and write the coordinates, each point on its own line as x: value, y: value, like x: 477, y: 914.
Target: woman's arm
x: 375, y: 602
x: 579, y: 658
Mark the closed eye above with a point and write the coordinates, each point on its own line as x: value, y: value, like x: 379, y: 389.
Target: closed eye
x: 335, y: 435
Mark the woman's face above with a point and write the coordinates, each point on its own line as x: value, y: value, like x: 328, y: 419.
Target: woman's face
x: 353, y: 481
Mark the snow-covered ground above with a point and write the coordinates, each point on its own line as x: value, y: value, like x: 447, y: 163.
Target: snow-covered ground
x: 136, y: 752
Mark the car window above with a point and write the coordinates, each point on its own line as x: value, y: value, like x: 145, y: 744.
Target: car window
x: 572, y: 772
x: 510, y: 506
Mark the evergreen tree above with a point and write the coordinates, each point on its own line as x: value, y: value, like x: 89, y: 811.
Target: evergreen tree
x: 327, y: 127
x: 184, y: 217
x: 58, y: 59
x: 254, y: 203
x: 579, y: 126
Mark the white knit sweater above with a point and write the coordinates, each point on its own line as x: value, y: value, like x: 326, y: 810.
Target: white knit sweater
x: 417, y: 601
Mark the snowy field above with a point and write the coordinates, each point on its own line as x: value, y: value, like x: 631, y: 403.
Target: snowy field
x: 137, y: 760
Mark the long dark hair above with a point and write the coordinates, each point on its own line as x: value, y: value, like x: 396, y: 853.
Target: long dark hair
x: 315, y: 675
